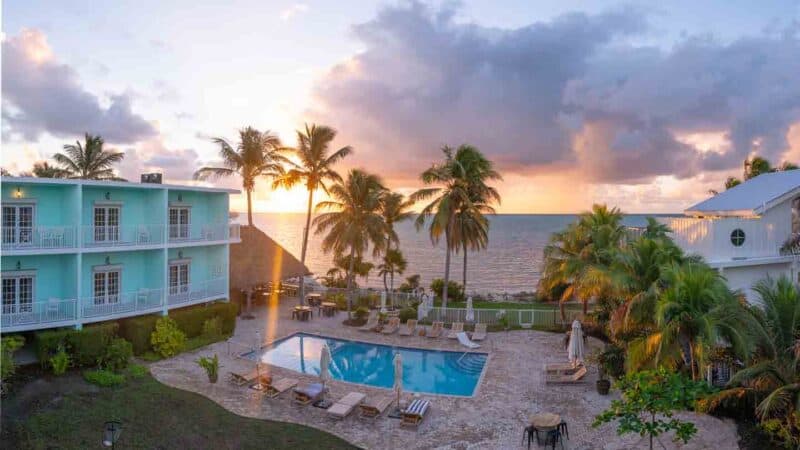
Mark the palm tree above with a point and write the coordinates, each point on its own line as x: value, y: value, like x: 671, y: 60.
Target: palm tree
x: 354, y: 221
x: 257, y: 154
x: 314, y: 168
x: 394, y: 209
x: 694, y: 314
x: 393, y: 262
x: 89, y: 161
x: 773, y: 378
x: 471, y: 232
x: 43, y: 169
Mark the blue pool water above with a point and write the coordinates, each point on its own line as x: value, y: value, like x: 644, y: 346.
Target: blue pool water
x: 425, y: 371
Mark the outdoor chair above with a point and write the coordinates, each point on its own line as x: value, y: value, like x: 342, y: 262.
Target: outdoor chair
x: 436, y: 330
x: 372, y: 322
x: 455, y: 328
x: 342, y: 408
x: 480, y: 332
x: 277, y: 388
x: 307, y: 394
x: 374, y: 407
x: 574, y: 378
x: 392, y: 326
x: 415, y: 413
x: 408, y: 330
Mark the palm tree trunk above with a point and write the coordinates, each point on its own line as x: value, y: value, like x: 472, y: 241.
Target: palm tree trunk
x: 350, y: 284
x: 391, y: 275
x: 306, y: 230
x: 385, y: 286
x: 249, y: 208
x: 464, y: 272
x: 446, y: 267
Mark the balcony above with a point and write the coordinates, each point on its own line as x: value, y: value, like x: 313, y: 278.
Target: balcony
x: 122, y: 236
x: 123, y: 304
x: 197, y: 292
x: 39, y: 238
x: 203, y: 233
x: 39, y: 314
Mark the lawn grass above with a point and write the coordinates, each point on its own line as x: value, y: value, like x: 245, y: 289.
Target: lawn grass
x: 153, y: 416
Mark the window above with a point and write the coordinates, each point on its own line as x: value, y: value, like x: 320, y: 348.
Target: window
x: 178, y: 277
x: 106, y: 223
x: 737, y: 237
x: 179, y: 222
x: 17, y: 293
x: 17, y: 224
x: 106, y: 285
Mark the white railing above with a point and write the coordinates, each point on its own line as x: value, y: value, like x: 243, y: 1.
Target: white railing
x: 42, y: 311
x: 235, y: 231
x: 396, y: 299
x: 195, y: 292
x: 208, y: 232
x: 35, y: 238
x: 141, y: 300
x: 513, y: 317
x: 121, y: 236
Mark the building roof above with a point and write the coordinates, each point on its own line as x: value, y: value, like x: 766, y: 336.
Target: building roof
x: 259, y: 260
x: 751, y: 198
x: 124, y: 184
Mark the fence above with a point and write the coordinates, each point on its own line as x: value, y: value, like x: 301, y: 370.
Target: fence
x: 514, y: 317
x: 396, y: 299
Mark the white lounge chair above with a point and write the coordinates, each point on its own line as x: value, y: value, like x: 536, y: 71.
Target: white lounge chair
x: 372, y: 322
x: 480, y: 332
x: 410, y: 328
x: 455, y: 328
x: 346, y: 405
x: 464, y: 340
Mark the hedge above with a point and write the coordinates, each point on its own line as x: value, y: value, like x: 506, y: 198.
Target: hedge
x: 85, y: 347
x: 137, y: 331
x: 190, y: 320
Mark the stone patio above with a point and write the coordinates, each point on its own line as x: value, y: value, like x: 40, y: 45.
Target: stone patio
x: 512, y: 389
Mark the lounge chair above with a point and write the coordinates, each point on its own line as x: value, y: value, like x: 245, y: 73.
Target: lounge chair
x: 307, y: 394
x: 372, y: 322
x: 455, y: 328
x: 242, y: 379
x: 436, y: 330
x: 346, y: 405
x: 279, y: 387
x: 480, y: 332
x: 574, y: 378
x: 415, y: 413
x: 464, y: 340
x: 561, y: 368
x: 408, y: 330
x: 392, y: 326
x: 374, y: 407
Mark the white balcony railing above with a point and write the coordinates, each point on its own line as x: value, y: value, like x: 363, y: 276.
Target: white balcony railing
x: 38, y: 238
x: 196, y: 292
x: 235, y: 231
x: 121, y: 236
x: 141, y: 300
x: 207, y: 232
x: 51, y: 311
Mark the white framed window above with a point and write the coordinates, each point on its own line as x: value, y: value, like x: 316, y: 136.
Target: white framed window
x: 180, y: 218
x: 106, y: 222
x: 18, y: 219
x: 106, y: 284
x: 179, y: 276
x: 18, y: 292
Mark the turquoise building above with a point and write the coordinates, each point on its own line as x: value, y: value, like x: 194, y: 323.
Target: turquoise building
x: 82, y: 251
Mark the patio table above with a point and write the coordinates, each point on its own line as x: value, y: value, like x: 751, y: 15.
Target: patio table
x: 328, y: 309
x: 302, y: 313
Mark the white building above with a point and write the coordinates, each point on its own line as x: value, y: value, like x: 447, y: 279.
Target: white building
x: 748, y: 232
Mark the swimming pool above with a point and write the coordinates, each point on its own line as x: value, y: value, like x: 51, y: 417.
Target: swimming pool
x: 425, y: 371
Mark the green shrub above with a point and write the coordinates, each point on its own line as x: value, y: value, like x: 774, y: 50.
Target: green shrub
x: 88, y: 346
x: 407, y: 313
x: 118, y: 352
x: 454, y: 290
x: 340, y: 299
x: 167, y: 339
x: 211, y: 366
x: 9, y: 345
x: 137, y: 331
x: 137, y: 371
x: 361, y: 312
x: 60, y: 362
x: 47, y: 343
x: 227, y: 313
x: 612, y: 361
x: 212, y: 327
x: 103, y: 378
x: 191, y: 320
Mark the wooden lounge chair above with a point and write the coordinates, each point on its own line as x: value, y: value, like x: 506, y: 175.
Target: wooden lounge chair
x: 346, y: 405
x: 243, y: 379
x: 374, y: 407
x: 408, y: 330
x: 392, y: 326
x: 561, y: 368
x: 279, y: 387
x: 455, y: 328
x: 436, y: 330
x: 480, y: 332
x: 372, y: 322
x: 307, y: 394
x: 574, y: 378
x: 415, y: 413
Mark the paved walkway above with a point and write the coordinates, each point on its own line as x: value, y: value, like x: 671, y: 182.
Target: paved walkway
x: 512, y: 389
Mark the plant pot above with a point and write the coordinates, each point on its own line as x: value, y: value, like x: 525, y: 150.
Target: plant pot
x: 603, y: 386
x: 213, y: 378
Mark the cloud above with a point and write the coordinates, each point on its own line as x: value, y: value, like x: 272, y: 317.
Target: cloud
x: 294, y: 10
x: 574, y: 92
x: 177, y: 165
x: 42, y: 95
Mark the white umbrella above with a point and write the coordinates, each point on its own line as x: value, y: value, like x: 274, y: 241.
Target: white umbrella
x: 324, y: 362
x: 470, y: 312
x: 575, y: 348
x: 398, y: 377
x: 383, y: 301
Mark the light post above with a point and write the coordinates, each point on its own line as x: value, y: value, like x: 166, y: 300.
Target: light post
x: 111, y: 432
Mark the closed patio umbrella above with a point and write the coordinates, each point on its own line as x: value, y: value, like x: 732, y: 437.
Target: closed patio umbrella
x: 383, y: 301
x: 324, y: 362
x: 470, y: 312
x: 575, y: 347
x: 398, y: 377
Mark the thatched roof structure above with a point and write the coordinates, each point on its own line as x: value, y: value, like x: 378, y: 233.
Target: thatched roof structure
x: 258, y: 260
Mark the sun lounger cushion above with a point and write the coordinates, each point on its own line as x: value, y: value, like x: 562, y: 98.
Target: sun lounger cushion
x: 375, y: 406
x: 281, y: 386
x: 312, y: 390
x: 415, y: 412
x: 346, y: 404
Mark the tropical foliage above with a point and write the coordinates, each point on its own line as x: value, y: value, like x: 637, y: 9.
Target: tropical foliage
x: 88, y: 161
x: 393, y: 263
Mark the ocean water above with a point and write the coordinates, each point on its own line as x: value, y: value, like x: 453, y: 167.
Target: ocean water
x: 511, y: 263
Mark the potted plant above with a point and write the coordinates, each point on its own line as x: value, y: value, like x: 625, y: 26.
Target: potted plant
x: 603, y: 383
x: 211, y: 366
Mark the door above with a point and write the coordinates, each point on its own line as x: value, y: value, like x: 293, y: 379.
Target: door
x: 17, y: 224
x: 179, y: 222
x: 17, y: 294
x: 178, y: 278
x: 106, y: 286
x: 106, y: 223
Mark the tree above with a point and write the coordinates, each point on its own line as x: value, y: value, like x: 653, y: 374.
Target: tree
x: 89, y: 161
x: 649, y: 400
x: 732, y: 182
x: 393, y: 262
x: 256, y: 154
x: 353, y: 222
x: 341, y: 268
x: 756, y: 166
x: 43, y: 169
x: 412, y: 283
x: 314, y: 168
x: 394, y: 209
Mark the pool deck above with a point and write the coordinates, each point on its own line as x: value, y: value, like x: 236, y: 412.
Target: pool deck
x: 512, y: 389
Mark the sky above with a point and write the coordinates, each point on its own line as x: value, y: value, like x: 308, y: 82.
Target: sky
x: 639, y: 105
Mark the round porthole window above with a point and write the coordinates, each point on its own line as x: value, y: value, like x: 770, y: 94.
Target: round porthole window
x: 737, y: 237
